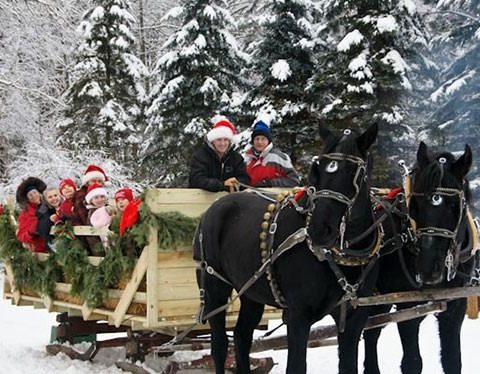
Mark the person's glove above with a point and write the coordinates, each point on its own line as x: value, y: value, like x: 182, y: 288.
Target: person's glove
x: 231, y: 184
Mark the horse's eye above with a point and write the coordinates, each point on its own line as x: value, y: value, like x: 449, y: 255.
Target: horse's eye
x: 437, y: 200
x: 332, y: 167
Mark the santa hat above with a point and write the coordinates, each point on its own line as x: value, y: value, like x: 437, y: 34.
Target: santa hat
x: 66, y: 182
x: 94, y: 172
x: 124, y: 193
x: 93, y: 190
x: 222, y: 129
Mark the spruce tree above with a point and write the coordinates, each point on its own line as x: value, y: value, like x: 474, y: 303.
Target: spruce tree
x: 282, y: 64
x: 106, y: 93
x: 365, y: 68
x: 197, y: 78
x: 456, y: 98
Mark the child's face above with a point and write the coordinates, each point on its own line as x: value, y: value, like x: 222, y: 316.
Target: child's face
x: 53, y: 198
x: 98, y: 201
x: 68, y: 191
x: 122, y: 204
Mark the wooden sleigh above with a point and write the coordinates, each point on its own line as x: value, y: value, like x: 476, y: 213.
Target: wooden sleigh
x: 161, y: 300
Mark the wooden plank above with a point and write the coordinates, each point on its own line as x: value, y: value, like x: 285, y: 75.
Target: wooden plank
x: 433, y: 294
x: 131, y: 288
x: 9, y: 275
x: 472, y: 307
x: 177, y: 259
x: 48, y: 302
x: 152, y: 298
x: 94, y: 260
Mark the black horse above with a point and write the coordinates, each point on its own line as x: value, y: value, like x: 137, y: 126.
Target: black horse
x: 436, y: 253
x: 287, y: 245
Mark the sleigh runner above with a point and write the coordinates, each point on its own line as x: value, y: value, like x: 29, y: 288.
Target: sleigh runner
x: 161, y: 297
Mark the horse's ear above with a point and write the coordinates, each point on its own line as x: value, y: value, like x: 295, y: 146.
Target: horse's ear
x: 463, y: 164
x: 314, y: 173
x: 324, y: 132
x: 422, y: 155
x: 365, y: 140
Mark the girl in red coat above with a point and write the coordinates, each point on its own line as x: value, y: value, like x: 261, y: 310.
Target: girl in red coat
x: 29, y: 197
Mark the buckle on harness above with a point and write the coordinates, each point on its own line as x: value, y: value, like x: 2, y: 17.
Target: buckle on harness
x: 273, y: 228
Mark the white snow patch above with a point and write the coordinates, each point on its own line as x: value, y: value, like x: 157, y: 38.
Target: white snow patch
x: 477, y: 33
x: 98, y: 13
x: 386, y: 24
x: 364, y: 87
x: 201, y: 42
x: 394, y: 59
x: 209, y: 85
x: 173, y: 13
x: 172, y: 86
x: 359, y: 67
x: 168, y: 59
x: 281, y: 70
x: 328, y: 108
x: 409, y: 5
x: 209, y: 12
x: 91, y: 89
x: 352, y: 38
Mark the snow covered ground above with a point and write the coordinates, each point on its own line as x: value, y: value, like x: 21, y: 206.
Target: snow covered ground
x: 24, y: 332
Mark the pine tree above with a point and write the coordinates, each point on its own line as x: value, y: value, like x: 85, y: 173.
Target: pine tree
x: 456, y: 98
x: 365, y: 68
x: 197, y: 78
x: 282, y: 64
x: 106, y: 94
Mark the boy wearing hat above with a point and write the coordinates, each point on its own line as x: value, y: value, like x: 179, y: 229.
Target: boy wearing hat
x: 216, y: 166
x: 266, y: 165
x: 67, y: 189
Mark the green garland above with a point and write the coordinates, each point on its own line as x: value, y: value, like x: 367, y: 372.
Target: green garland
x: 70, y: 262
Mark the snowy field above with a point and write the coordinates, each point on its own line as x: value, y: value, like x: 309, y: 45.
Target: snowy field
x: 25, y: 332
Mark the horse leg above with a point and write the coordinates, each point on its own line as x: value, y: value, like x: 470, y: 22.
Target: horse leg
x: 348, y: 340
x: 250, y: 315
x: 370, y: 338
x: 449, y: 325
x: 298, y: 331
x: 411, y: 360
x: 216, y: 295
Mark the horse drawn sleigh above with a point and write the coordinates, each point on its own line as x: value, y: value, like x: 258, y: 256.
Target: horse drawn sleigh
x: 158, y: 305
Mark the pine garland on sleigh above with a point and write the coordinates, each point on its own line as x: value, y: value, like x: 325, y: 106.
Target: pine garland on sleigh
x: 69, y: 263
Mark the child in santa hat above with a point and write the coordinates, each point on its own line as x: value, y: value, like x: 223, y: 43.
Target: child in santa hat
x: 99, y: 213
x: 93, y: 174
x: 67, y: 189
x: 217, y: 166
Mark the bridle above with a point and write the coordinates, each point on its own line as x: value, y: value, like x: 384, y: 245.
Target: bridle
x: 358, y: 180
x: 464, y: 217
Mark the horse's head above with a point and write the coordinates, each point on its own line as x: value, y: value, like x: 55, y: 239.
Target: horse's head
x: 438, y: 208
x: 338, y: 181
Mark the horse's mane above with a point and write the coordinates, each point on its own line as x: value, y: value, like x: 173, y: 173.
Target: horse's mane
x: 432, y: 176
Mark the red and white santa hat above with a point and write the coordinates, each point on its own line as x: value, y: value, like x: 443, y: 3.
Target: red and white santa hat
x: 95, y: 189
x: 221, y: 129
x: 124, y: 193
x: 94, y: 172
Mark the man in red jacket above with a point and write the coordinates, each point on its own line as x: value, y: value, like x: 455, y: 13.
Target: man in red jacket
x: 29, y: 197
x: 268, y: 166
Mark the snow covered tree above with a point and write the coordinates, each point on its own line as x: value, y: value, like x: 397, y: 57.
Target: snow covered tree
x: 282, y: 64
x: 197, y: 78
x: 457, y: 98
x: 364, y: 71
x: 106, y: 93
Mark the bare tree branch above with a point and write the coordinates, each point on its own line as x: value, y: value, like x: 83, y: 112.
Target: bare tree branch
x: 33, y: 91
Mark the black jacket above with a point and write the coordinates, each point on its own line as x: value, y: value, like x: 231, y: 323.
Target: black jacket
x: 44, y: 223
x: 208, y: 171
